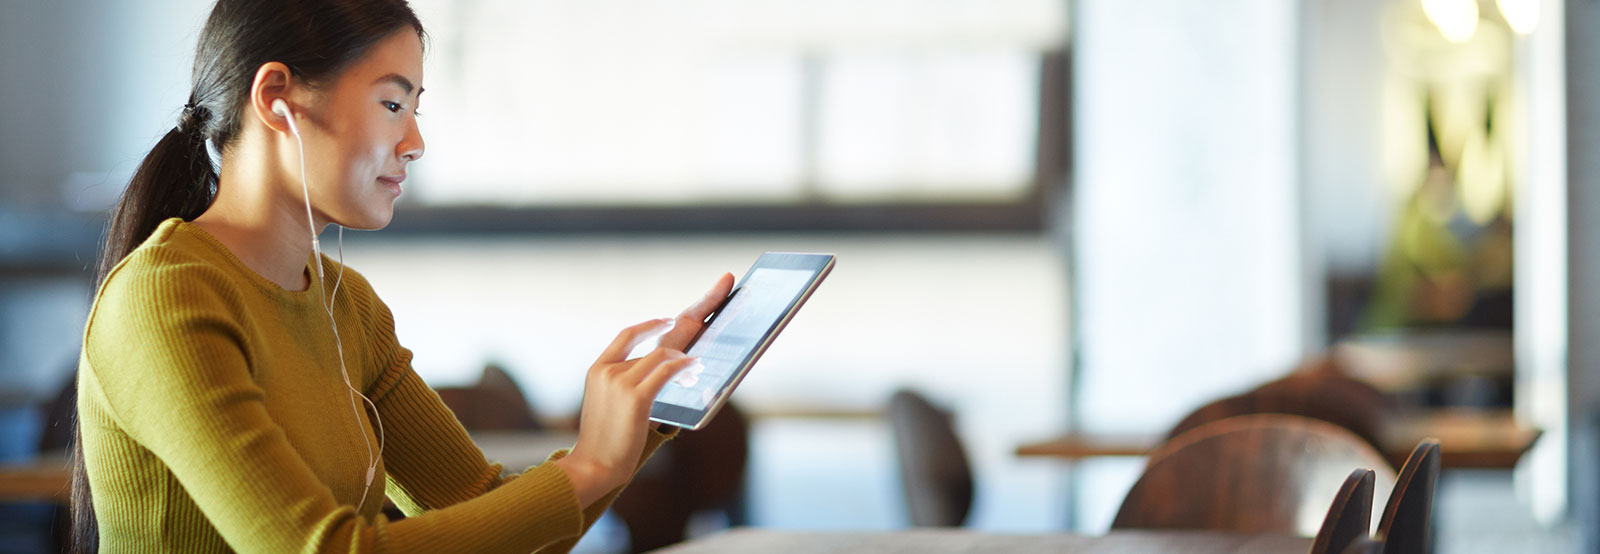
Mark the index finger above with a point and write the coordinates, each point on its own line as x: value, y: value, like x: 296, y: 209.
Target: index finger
x: 692, y: 317
x: 631, y: 337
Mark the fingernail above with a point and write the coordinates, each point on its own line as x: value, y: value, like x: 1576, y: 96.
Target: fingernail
x: 686, y: 378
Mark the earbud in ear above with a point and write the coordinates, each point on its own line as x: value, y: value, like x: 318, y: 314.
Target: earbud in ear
x: 282, y: 109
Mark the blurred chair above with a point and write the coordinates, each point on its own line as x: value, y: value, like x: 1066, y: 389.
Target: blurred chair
x: 697, y: 471
x: 495, y: 403
x: 1318, y: 390
x: 60, y: 416
x: 1262, y: 473
x: 1350, y: 517
x: 1407, y: 522
x: 933, y: 466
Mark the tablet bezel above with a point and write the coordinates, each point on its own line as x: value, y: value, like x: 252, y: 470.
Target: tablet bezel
x: 819, y: 264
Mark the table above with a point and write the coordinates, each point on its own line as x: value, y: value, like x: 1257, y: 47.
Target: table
x: 950, y: 541
x: 47, y: 478
x: 1467, y: 439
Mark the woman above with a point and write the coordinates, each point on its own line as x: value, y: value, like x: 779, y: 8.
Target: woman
x: 240, y: 392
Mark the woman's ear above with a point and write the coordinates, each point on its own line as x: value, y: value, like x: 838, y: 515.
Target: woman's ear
x: 272, y: 82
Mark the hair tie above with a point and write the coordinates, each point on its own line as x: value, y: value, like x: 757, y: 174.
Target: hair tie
x: 193, y: 118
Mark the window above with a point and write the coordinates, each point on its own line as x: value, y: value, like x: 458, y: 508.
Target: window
x: 607, y: 111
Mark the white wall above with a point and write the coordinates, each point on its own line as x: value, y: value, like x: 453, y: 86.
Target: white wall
x: 1341, y: 97
x: 1541, y: 265
x: 1187, y: 204
x: 1190, y: 281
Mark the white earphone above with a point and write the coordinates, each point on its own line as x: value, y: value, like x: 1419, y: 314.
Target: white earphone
x: 282, y: 109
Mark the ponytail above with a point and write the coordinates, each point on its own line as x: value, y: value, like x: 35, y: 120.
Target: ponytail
x: 176, y: 179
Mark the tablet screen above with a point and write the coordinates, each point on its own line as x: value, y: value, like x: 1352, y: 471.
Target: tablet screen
x: 736, y: 331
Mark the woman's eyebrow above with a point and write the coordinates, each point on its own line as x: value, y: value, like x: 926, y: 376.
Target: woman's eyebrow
x: 397, y: 79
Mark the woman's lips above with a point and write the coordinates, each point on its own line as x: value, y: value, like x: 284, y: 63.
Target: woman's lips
x: 393, y: 182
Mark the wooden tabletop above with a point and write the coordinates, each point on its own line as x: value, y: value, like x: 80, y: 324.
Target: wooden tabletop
x: 1467, y: 439
x: 951, y: 541
x: 44, y: 479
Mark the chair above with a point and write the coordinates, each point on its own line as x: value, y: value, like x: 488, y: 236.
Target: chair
x: 1407, y: 522
x: 1350, y: 517
x: 1318, y: 390
x: 495, y: 403
x: 60, y: 416
x: 1261, y: 473
x: 933, y: 466
x: 697, y: 471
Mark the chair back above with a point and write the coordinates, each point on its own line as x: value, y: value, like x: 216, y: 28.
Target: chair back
x: 1350, y: 517
x: 933, y: 466
x: 495, y: 403
x: 1322, y: 393
x: 1261, y: 473
x: 1407, y: 521
x: 60, y: 416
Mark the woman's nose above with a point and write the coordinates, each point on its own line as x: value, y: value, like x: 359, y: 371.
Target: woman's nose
x: 412, y: 146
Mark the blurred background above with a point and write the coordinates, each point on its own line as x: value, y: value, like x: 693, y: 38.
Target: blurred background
x: 1053, y: 218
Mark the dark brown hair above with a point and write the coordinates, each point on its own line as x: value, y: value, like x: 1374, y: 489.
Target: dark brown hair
x: 315, y: 39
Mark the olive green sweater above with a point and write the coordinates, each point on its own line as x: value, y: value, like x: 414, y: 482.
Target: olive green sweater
x: 215, y: 419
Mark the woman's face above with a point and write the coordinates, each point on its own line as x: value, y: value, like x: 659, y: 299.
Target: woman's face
x: 361, y: 131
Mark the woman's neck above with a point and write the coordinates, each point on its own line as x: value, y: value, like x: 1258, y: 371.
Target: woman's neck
x: 264, y: 227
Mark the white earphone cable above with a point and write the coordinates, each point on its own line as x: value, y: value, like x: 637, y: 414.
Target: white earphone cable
x: 327, y: 303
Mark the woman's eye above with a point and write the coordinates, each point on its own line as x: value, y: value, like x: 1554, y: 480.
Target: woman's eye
x: 392, y: 106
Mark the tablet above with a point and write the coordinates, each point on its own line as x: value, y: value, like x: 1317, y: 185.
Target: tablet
x: 733, y: 339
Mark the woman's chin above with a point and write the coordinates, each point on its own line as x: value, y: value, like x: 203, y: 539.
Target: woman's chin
x: 372, y: 221
x: 378, y: 223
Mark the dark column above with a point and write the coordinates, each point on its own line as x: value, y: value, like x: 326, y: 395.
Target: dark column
x: 1583, y: 269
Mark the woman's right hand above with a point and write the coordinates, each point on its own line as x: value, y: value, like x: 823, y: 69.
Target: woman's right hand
x: 617, y: 396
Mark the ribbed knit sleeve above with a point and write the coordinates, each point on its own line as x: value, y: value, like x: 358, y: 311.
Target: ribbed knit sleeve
x: 182, y: 375
x: 432, y: 462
